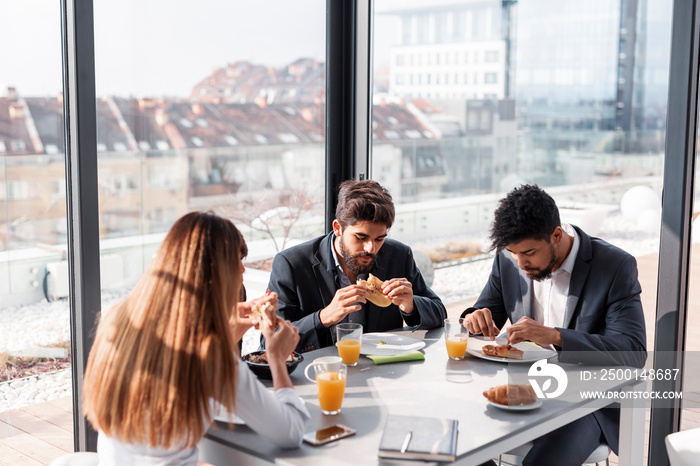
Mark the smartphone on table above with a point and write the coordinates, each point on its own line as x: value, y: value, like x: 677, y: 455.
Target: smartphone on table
x: 328, y: 434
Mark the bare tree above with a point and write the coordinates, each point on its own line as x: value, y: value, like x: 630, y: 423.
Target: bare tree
x: 272, y: 213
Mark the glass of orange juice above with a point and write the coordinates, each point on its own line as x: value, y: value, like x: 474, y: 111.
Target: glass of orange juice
x: 456, y: 337
x: 349, y: 342
x: 330, y: 379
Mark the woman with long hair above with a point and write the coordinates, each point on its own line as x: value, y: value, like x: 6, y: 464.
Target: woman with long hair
x: 166, y: 359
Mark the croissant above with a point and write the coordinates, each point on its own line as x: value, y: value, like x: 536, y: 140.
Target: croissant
x: 503, y: 351
x: 511, y: 394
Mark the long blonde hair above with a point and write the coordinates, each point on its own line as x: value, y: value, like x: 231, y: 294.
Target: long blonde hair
x: 168, y: 348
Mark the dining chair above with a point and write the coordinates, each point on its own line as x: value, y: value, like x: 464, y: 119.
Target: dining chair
x: 598, y: 455
x: 683, y: 447
x: 79, y: 458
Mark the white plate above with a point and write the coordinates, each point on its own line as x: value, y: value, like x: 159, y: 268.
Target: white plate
x: 534, y: 405
x: 388, y: 344
x: 531, y: 352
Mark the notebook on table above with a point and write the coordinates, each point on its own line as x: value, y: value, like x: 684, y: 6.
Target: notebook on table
x: 420, y: 438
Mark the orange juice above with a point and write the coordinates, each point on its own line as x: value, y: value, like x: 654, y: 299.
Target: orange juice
x: 456, y: 346
x: 331, y: 389
x: 349, y: 350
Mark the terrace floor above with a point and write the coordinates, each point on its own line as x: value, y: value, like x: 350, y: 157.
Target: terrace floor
x: 37, y: 434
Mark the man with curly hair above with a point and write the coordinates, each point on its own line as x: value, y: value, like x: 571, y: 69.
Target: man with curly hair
x: 559, y: 286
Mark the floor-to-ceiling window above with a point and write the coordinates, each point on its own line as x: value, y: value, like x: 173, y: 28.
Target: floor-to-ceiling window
x: 474, y: 98
x: 34, y: 322
x: 691, y: 367
x: 222, y: 108
x: 218, y: 107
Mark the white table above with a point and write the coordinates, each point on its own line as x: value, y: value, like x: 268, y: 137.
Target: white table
x: 421, y: 388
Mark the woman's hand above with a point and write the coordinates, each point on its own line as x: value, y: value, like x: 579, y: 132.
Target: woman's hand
x: 245, y: 318
x: 278, y: 346
x: 268, y: 297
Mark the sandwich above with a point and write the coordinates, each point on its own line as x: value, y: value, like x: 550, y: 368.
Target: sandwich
x: 374, y: 286
x: 266, y: 311
x: 503, y: 351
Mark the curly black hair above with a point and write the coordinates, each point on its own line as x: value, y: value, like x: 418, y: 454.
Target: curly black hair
x: 527, y: 212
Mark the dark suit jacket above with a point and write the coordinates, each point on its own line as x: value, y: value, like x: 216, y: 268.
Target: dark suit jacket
x: 603, y: 321
x: 303, y: 277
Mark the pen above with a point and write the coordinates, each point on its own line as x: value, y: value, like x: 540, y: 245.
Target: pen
x: 406, y: 441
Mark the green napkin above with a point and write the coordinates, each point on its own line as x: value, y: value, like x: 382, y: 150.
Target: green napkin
x: 408, y: 356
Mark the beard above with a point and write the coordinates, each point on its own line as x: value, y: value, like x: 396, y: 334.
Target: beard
x: 351, y: 260
x: 545, y: 273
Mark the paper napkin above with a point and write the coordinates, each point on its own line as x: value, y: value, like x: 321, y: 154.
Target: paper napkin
x: 408, y: 356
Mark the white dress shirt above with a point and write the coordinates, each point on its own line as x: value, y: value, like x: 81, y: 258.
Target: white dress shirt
x: 279, y: 416
x: 549, y: 296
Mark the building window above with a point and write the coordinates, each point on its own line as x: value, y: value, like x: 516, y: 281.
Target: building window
x: 491, y: 56
x: 18, y: 145
x: 490, y: 78
x: 17, y: 190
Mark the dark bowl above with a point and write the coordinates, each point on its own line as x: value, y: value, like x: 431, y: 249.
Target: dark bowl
x: 263, y: 370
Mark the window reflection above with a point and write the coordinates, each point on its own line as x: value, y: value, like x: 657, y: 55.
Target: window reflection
x: 571, y: 96
x: 34, y: 333
x: 220, y: 108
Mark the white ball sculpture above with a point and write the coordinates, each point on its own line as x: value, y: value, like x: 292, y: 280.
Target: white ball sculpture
x: 649, y: 220
x: 696, y: 230
x: 638, y: 199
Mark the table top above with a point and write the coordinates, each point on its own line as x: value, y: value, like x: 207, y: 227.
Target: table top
x: 433, y: 387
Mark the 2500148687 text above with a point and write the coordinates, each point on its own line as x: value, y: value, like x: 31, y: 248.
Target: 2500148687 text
x: 613, y: 374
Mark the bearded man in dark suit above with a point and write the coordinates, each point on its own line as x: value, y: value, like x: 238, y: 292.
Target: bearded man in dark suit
x: 316, y: 280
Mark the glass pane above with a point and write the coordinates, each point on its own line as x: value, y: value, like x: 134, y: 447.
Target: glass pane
x: 472, y: 99
x: 34, y: 315
x: 691, y: 384
x: 218, y: 107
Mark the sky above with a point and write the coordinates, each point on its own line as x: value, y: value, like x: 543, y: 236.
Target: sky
x: 164, y: 47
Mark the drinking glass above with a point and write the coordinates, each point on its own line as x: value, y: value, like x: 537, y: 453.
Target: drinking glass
x: 330, y: 379
x: 456, y: 338
x: 349, y: 342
